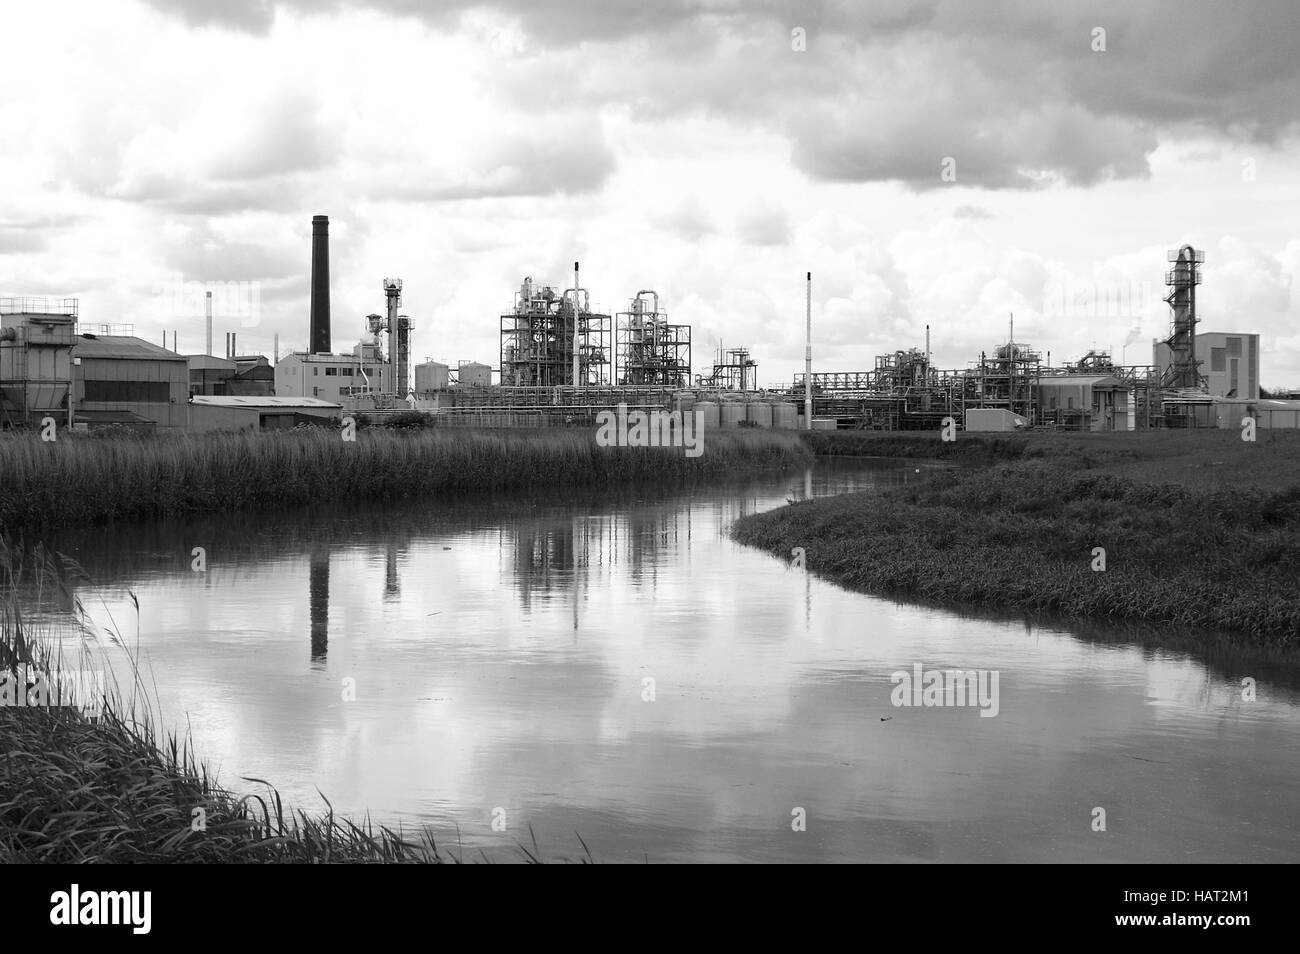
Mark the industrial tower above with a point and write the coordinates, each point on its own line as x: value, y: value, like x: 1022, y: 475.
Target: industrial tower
x: 1184, y: 370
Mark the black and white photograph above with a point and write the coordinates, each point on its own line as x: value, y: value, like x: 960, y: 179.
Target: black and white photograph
x: 699, y: 432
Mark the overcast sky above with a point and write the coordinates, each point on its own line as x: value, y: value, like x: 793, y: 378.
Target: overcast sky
x: 701, y: 148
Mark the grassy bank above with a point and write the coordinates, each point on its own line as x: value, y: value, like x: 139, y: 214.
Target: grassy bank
x: 1199, y: 530
x: 78, y: 786
x: 80, y: 480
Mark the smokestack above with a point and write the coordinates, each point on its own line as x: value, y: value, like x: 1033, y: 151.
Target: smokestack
x: 320, y: 285
x: 209, y: 310
x: 275, y: 349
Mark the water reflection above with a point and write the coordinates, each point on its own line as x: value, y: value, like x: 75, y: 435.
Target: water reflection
x: 318, y: 596
x: 500, y: 648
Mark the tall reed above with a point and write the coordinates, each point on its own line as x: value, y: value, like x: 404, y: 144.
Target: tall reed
x: 79, y: 480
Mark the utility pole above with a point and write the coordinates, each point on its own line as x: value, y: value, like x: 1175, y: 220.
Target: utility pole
x: 807, y: 364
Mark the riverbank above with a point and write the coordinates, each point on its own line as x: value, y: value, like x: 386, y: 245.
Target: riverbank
x: 81, y: 480
x: 1199, y: 529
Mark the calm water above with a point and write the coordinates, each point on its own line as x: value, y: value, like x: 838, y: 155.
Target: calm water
x: 499, y: 652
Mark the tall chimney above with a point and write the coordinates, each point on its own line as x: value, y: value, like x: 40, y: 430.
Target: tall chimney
x: 320, y: 284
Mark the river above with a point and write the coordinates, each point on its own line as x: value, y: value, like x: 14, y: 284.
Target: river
x: 615, y: 667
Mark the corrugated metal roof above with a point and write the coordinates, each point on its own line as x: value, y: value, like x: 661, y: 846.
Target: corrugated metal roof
x: 260, y: 401
x: 115, y: 346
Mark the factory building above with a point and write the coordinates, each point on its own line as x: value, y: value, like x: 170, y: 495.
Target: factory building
x: 1228, y: 363
x: 36, y: 338
x: 129, y: 381
x: 248, y: 375
x: 333, y: 377
x: 1085, y: 402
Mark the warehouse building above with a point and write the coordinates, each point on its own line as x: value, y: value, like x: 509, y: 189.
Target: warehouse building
x: 215, y: 412
x: 128, y: 381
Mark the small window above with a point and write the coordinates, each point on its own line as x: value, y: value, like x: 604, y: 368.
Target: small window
x: 1217, y: 359
x: 315, y: 392
x: 331, y: 372
x: 346, y: 372
x: 1234, y: 347
x: 1069, y: 404
x: 315, y: 371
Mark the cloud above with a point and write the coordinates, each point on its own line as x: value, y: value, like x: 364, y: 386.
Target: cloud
x: 763, y: 224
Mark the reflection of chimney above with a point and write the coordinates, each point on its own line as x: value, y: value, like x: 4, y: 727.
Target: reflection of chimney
x: 320, y: 284
x: 318, y: 598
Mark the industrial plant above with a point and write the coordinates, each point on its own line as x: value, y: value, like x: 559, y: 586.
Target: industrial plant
x: 561, y: 363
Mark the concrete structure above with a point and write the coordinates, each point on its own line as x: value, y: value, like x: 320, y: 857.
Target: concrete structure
x: 993, y: 419
x: 232, y: 412
x: 1085, y: 402
x: 1229, y: 362
x: 36, y: 339
x: 333, y: 377
x: 127, y: 380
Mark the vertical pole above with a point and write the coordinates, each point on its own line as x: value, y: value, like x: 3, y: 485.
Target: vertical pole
x: 209, y: 314
x: 575, y: 324
x: 807, y: 362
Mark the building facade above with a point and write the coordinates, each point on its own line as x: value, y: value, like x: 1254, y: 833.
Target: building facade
x: 332, y: 377
x: 1229, y: 362
x: 127, y: 380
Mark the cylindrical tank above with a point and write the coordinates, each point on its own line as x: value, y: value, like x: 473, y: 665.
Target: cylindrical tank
x: 733, y: 412
x: 759, y: 413
x: 785, y: 414
x: 430, y: 376
x: 708, y: 414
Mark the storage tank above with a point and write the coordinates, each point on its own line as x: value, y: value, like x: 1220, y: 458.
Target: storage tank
x: 733, y: 412
x: 430, y: 376
x: 785, y: 414
x: 708, y: 414
x: 759, y: 413
x: 474, y: 375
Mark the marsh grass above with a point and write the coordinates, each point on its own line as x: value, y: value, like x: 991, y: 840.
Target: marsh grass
x: 77, y: 481
x: 1020, y: 536
x: 110, y: 787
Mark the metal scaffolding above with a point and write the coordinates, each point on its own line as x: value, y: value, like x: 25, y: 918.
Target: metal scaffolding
x: 733, y: 370
x: 1184, y: 370
x: 540, y: 335
x: 649, y: 350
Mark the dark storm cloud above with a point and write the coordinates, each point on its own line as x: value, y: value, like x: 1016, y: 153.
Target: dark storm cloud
x: 1012, y: 90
